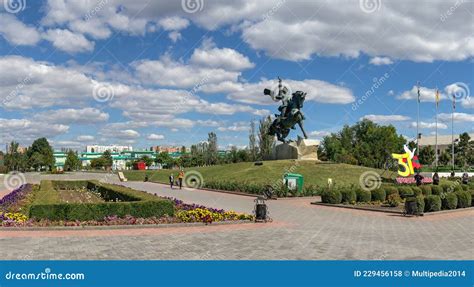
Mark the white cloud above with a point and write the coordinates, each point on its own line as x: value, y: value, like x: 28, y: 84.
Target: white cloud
x: 314, y: 28
x: 25, y: 130
x: 317, y: 91
x: 225, y: 58
x: 426, y: 125
x: 85, y: 138
x: 68, y: 41
x: 385, y: 118
x: 235, y: 127
x: 426, y: 94
x: 458, y: 117
x: 378, y: 61
x: 173, y: 23
x: 155, y: 137
x: 468, y: 103
x: 169, y: 73
x: 77, y: 116
x: 17, y: 33
x: 319, y: 134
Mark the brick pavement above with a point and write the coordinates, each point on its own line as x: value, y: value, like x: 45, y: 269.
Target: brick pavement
x: 299, y: 231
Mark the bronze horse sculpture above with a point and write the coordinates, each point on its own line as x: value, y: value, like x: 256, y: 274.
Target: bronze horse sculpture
x: 290, y: 112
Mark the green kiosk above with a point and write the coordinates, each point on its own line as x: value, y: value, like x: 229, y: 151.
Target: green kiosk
x: 294, y: 182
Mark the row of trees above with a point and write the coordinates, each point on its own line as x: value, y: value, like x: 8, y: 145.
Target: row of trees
x: 39, y: 156
x: 463, y: 153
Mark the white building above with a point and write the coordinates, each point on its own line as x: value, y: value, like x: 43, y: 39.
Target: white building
x: 111, y: 148
x: 444, y: 141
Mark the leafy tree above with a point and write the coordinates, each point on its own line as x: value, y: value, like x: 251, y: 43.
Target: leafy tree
x: 40, y: 154
x: 14, y: 160
x: 445, y: 157
x: 427, y: 155
x: 211, y: 154
x: 265, y: 141
x: 72, y: 161
x: 364, y: 143
x: 107, y: 159
x: 253, y: 149
x: 147, y: 160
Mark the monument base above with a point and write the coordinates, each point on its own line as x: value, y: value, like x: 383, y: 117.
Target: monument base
x: 302, y: 149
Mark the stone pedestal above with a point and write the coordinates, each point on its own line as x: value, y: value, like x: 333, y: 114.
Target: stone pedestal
x: 302, y: 149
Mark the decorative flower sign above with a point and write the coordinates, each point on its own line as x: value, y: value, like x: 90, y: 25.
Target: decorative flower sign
x: 408, y: 161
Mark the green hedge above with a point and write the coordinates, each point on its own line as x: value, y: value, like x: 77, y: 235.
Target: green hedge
x: 348, y: 195
x: 97, y: 211
x: 405, y: 191
x: 47, y: 204
x: 420, y: 204
x: 464, y: 199
x: 450, y: 201
x: 426, y: 189
x: 363, y: 195
x: 432, y: 203
x: 436, y: 190
x: 378, y: 194
x: 394, y: 199
x: 448, y: 187
x: 332, y: 196
x: 390, y: 190
x: 417, y: 191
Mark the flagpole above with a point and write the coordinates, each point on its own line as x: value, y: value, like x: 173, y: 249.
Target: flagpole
x: 452, y: 131
x: 418, y: 123
x: 436, y: 137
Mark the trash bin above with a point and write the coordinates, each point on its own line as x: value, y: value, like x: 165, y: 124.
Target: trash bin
x: 294, y: 182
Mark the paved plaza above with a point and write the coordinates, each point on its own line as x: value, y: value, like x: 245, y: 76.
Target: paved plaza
x: 299, y: 231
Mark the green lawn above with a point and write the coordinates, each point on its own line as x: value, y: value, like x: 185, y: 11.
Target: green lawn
x: 269, y: 172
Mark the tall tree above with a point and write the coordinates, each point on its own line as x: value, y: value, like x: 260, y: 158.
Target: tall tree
x: 107, y: 159
x: 253, y: 149
x: 211, y: 152
x: 265, y: 141
x: 72, y: 161
x: 427, y: 155
x: 40, y: 154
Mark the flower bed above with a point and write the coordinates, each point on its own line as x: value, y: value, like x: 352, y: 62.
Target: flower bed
x: 183, y: 213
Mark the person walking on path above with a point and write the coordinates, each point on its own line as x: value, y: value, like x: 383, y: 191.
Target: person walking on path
x: 171, y: 180
x: 180, y: 178
x: 418, y: 179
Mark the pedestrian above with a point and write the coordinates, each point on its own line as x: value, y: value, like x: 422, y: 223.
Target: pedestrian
x: 465, y: 178
x: 418, y: 179
x: 436, y: 178
x: 171, y: 180
x: 180, y: 178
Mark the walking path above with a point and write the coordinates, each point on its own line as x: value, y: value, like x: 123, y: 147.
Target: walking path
x: 299, y: 231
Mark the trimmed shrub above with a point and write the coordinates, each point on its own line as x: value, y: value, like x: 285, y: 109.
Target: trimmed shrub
x: 416, y: 190
x: 464, y: 199
x: 458, y: 187
x: 450, y: 201
x: 448, y: 187
x: 363, y: 195
x: 394, y: 199
x: 426, y: 190
x: 378, y: 194
x: 390, y: 190
x: 332, y: 196
x: 348, y: 195
x: 420, y: 204
x: 465, y: 187
x: 405, y: 191
x: 432, y: 203
x: 97, y: 211
x: 436, y: 190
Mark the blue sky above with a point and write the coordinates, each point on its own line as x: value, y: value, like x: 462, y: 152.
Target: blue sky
x: 168, y: 72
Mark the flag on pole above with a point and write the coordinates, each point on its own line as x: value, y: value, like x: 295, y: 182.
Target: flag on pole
x: 437, y: 97
x: 454, y: 102
x: 418, y: 94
